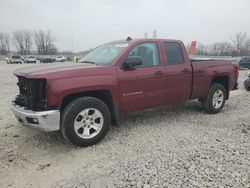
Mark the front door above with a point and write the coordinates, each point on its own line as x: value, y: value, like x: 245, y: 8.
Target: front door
x: 144, y: 86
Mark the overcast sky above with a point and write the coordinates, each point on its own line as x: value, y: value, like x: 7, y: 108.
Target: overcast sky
x: 92, y: 22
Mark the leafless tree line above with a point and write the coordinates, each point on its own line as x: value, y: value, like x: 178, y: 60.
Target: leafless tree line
x: 4, y: 43
x: 44, y: 42
x: 24, y: 40
x: 239, y: 45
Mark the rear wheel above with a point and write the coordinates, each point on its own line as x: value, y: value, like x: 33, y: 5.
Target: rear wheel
x: 215, y: 100
x: 85, y: 121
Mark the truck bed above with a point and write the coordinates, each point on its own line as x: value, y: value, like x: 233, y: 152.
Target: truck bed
x: 205, y: 70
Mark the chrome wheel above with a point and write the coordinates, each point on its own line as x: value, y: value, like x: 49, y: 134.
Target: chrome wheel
x: 218, y: 99
x: 88, y: 123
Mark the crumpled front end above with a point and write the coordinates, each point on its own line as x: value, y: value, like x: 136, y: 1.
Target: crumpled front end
x: 32, y: 94
x: 30, y: 106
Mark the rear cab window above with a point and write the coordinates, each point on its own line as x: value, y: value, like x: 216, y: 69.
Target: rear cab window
x: 174, y: 53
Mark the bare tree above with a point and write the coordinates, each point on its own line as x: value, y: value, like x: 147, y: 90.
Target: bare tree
x: 246, y: 48
x: 226, y: 49
x: 214, y: 49
x: 22, y: 39
x: 241, y: 43
x: 4, y: 43
x: 49, y: 43
x: 202, y: 49
x: 221, y: 49
x: 44, y: 42
x: 18, y: 41
x: 27, y: 41
x: 39, y: 37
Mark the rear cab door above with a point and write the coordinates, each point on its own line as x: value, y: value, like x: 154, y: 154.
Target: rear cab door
x: 178, y: 72
x: 144, y: 86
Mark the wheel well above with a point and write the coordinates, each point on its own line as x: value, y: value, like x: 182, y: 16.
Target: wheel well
x: 223, y: 80
x: 103, y: 95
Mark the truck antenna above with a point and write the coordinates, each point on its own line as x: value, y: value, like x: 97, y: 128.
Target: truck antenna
x: 129, y: 39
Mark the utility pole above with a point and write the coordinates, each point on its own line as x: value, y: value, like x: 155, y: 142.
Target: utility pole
x: 145, y: 35
x: 72, y: 42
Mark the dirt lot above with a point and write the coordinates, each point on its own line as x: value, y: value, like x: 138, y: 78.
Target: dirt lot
x: 178, y: 146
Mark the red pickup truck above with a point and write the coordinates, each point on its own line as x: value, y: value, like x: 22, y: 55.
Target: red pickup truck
x: 83, y: 99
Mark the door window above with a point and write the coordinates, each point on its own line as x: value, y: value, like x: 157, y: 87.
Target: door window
x: 174, y: 53
x: 148, y: 53
x: 247, y: 60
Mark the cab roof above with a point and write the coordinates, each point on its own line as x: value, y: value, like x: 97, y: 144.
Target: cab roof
x: 145, y: 40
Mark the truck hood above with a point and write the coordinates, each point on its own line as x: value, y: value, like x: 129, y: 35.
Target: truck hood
x: 59, y: 70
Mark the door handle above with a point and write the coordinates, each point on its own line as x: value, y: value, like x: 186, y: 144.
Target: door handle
x: 185, y: 70
x: 158, y: 73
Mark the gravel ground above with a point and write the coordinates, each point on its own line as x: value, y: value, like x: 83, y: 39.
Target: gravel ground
x: 178, y: 146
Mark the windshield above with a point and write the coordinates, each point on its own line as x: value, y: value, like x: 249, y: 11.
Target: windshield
x: 104, y: 54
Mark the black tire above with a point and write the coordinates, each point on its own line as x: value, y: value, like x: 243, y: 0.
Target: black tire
x: 71, y: 112
x: 207, y: 102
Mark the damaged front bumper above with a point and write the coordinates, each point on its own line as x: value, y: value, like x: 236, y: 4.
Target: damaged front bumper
x: 43, y: 120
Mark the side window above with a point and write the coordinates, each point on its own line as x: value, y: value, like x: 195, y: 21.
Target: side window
x: 148, y: 53
x: 247, y: 60
x: 174, y: 53
x: 242, y: 60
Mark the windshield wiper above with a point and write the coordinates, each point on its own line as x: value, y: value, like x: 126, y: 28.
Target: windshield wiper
x: 91, y: 62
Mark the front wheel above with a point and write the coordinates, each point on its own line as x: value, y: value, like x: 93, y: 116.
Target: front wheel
x: 215, y: 100
x: 85, y: 121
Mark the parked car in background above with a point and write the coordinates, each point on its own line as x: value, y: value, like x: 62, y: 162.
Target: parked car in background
x: 30, y: 59
x: 38, y: 58
x: 15, y: 59
x: 245, y: 62
x: 60, y: 59
x: 46, y: 59
x: 83, y: 99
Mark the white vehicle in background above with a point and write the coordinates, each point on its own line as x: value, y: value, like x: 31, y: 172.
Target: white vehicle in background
x: 60, y: 59
x: 15, y: 59
x: 30, y: 59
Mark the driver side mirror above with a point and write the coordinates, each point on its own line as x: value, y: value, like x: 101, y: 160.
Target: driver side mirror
x: 132, y: 61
